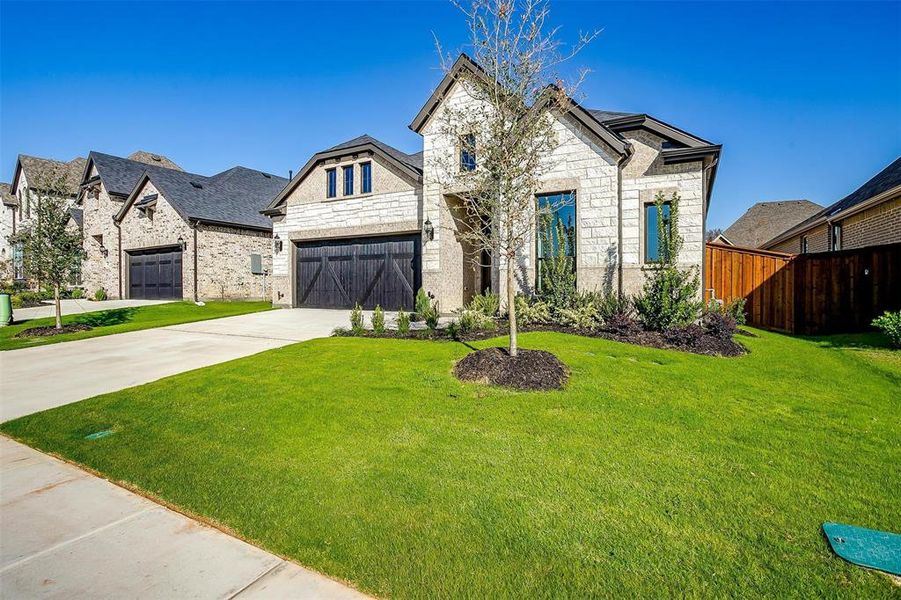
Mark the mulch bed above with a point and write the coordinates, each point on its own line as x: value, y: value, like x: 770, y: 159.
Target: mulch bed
x: 529, y: 370
x: 51, y: 330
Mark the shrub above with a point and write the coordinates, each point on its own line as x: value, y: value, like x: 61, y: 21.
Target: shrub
x: 473, y: 320
x: 530, y: 311
x: 453, y: 330
x: 669, y: 299
x: 77, y: 293
x: 621, y: 324
x: 356, y: 319
x: 16, y: 301
x: 378, y: 320
x: 890, y: 324
x: 611, y: 306
x: 719, y: 324
x: 736, y: 310
x: 581, y: 316
x: 686, y: 337
x: 100, y: 294
x: 403, y: 322
x: 431, y: 316
x: 487, y: 303
x: 421, y: 305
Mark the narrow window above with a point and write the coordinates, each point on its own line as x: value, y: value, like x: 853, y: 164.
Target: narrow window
x: 556, y: 239
x: 652, y: 232
x: 804, y: 246
x: 366, y: 178
x: 19, y: 261
x: 468, y: 152
x: 348, y: 180
x: 331, y: 183
x: 836, y: 237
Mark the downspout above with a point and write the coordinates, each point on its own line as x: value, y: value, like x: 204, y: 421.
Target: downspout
x: 119, y: 254
x: 619, y: 225
x: 195, y: 261
x: 705, y: 189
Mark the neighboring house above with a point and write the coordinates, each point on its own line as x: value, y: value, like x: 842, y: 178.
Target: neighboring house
x: 765, y: 220
x: 31, y: 177
x: 7, y: 229
x: 364, y: 221
x: 188, y: 236
x: 869, y: 216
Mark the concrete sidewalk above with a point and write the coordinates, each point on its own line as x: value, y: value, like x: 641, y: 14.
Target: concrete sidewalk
x: 73, y: 307
x: 69, y: 534
x: 35, y: 379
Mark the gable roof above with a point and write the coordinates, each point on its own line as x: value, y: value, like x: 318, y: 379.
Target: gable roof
x: 880, y: 187
x: 409, y: 165
x: 765, y: 220
x: 233, y: 197
x: 157, y: 160
x: 120, y: 175
x: 8, y: 198
x: 36, y: 167
x: 77, y: 214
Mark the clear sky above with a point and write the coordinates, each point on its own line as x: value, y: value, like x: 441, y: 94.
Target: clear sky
x: 805, y: 97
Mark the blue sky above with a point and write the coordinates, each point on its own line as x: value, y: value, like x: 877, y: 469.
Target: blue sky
x: 805, y: 97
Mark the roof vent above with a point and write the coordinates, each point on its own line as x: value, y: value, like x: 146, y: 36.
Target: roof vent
x: 156, y: 157
x: 267, y: 175
x: 197, y: 185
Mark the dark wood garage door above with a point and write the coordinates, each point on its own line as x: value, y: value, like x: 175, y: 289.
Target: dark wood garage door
x: 155, y: 274
x: 339, y: 273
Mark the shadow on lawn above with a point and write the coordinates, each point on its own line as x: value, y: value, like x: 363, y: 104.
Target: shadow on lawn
x: 105, y: 318
x: 871, y: 340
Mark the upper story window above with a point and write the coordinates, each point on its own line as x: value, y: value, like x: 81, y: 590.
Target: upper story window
x: 556, y: 233
x: 836, y: 237
x: 331, y: 183
x: 348, y: 173
x: 468, y: 152
x: 804, y: 245
x: 653, y: 232
x: 19, y: 260
x: 366, y: 178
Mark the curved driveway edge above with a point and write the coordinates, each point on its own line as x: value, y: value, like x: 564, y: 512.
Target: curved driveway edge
x: 36, y: 379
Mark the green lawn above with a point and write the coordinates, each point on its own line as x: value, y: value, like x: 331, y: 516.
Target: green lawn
x: 120, y: 320
x: 655, y: 473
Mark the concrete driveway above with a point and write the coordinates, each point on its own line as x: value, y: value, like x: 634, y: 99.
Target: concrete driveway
x: 73, y: 307
x: 35, y: 379
x: 69, y: 534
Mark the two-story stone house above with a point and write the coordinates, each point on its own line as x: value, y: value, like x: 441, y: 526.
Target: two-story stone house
x: 365, y: 222
x: 152, y: 230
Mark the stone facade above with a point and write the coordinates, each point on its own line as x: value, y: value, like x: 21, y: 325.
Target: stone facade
x: 393, y: 207
x: 100, y: 268
x: 223, y: 253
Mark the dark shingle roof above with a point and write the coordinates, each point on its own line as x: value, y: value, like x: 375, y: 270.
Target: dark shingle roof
x: 413, y: 161
x: 608, y: 115
x: 37, y: 168
x: 886, y: 179
x: 76, y: 214
x: 235, y: 196
x: 8, y: 198
x: 120, y: 175
x: 765, y: 220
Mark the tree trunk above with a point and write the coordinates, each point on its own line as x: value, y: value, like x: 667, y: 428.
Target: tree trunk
x: 511, y: 307
x: 59, y: 313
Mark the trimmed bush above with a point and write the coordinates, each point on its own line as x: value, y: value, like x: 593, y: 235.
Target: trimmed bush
x: 356, y: 319
x: 473, y: 320
x: 890, y: 324
x: 487, y: 304
x: 378, y: 320
x: 100, y: 295
x: 719, y: 324
x: 421, y: 305
x: 77, y: 294
x: 611, y: 306
x: 431, y: 316
x: 531, y: 311
x: 403, y: 322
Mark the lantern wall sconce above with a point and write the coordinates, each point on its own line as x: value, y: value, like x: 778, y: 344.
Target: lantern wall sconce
x: 278, y: 243
x: 182, y: 243
x: 428, y: 230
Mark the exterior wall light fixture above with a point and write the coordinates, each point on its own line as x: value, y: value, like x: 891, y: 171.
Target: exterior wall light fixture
x: 428, y: 230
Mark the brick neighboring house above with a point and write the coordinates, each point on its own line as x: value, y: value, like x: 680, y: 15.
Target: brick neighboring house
x: 365, y: 221
x: 869, y: 216
x: 7, y: 229
x: 30, y: 174
x: 183, y: 235
x: 765, y: 220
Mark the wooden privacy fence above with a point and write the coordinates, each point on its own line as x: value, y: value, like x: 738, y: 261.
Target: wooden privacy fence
x: 826, y: 292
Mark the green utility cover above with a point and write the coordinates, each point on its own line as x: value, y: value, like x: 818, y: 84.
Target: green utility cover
x: 99, y: 434
x: 865, y: 547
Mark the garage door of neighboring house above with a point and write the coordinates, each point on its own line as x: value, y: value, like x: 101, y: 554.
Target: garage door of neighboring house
x: 339, y: 273
x: 155, y: 274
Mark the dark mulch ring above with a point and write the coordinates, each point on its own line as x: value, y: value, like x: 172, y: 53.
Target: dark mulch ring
x: 529, y: 370
x: 51, y: 330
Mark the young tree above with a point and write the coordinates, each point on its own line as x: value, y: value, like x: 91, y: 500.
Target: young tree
x: 506, y: 131
x: 52, y: 249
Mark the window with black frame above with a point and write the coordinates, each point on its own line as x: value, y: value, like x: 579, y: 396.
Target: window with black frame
x: 468, y: 152
x: 556, y: 239
x: 653, y: 232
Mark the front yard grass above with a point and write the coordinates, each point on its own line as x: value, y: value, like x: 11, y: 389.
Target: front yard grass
x: 120, y: 320
x: 654, y: 473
